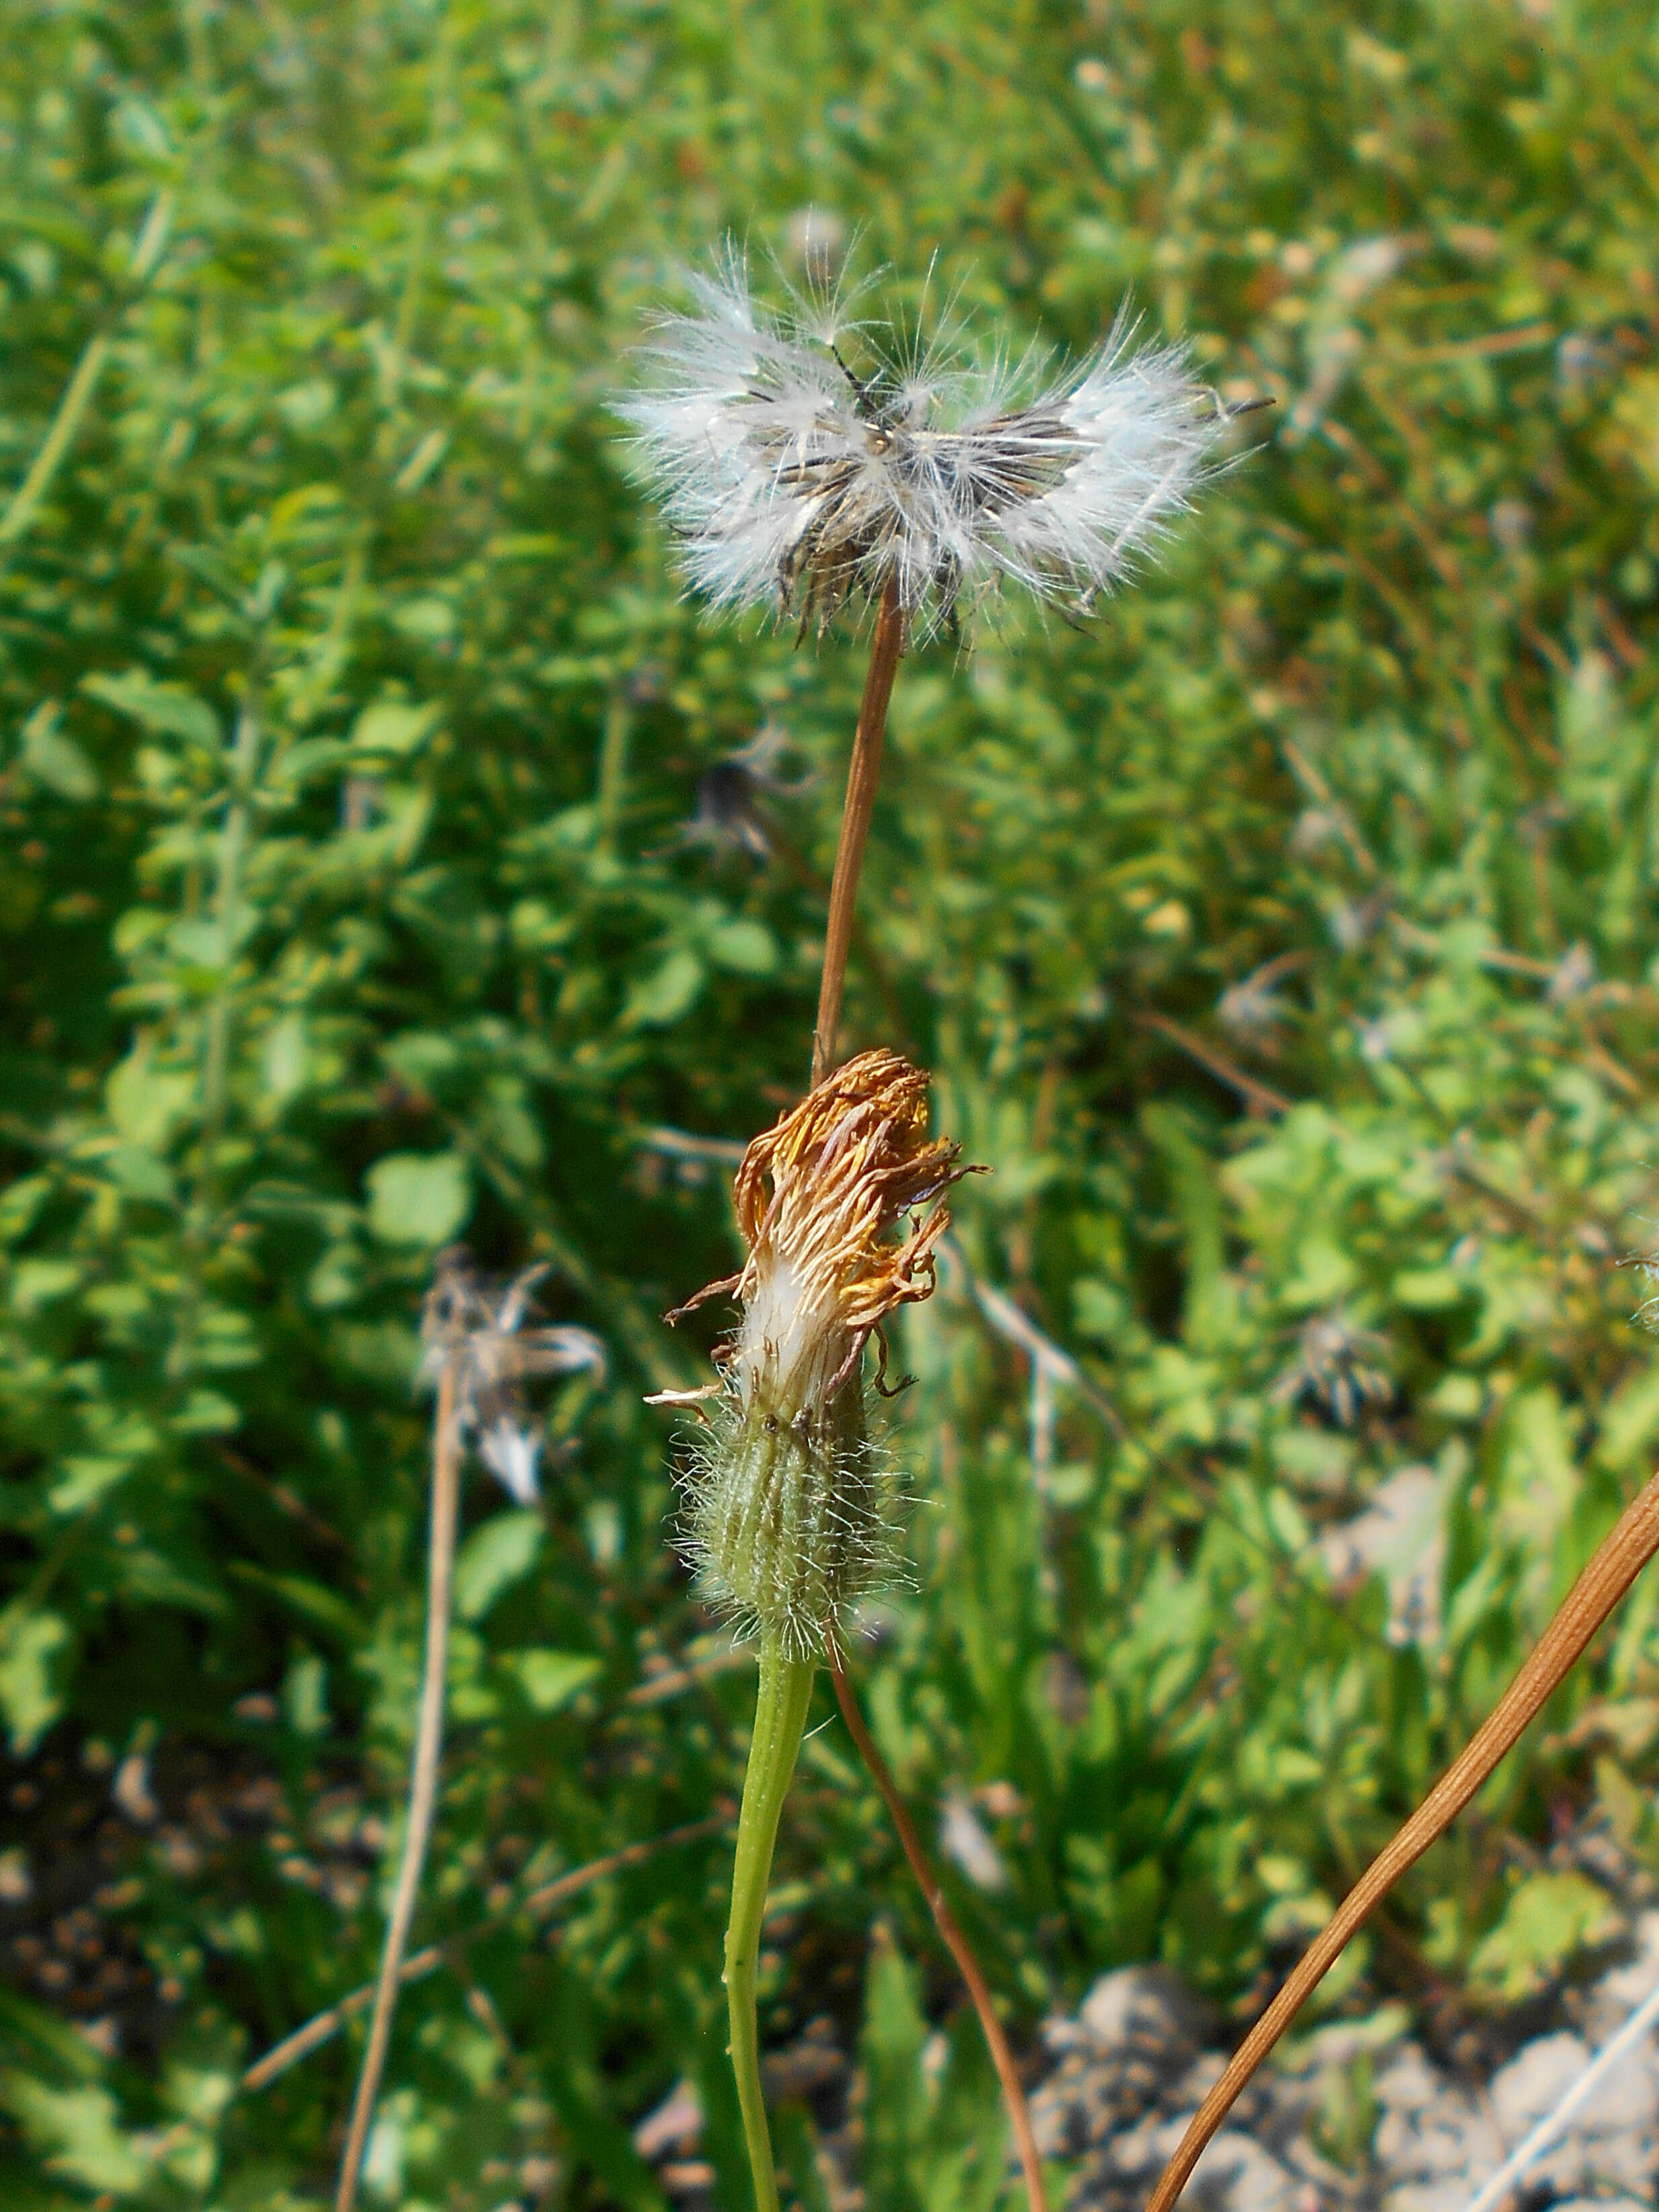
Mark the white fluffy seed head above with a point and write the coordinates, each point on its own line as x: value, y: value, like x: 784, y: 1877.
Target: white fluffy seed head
x: 806, y: 459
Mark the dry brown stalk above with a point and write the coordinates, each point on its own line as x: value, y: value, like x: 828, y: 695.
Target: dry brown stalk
x: 863, y: 774
x: 944, y: 1920
x: 446, y: 1454
x: 1618, y: 1561
x: 325, y: 2025
x: 1259, y: 1098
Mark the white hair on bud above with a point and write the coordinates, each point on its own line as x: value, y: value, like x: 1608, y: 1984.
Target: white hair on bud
x: 796, y: 478
x: 789, y: 1526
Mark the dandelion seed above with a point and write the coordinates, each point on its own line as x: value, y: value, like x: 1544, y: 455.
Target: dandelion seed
x: 479, y: 1331
x: 800, y: 479
x: 789, y: 1519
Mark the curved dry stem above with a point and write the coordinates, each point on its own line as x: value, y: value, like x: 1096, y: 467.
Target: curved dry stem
x: 446, y: 1452
x: 322, y: 2027
x: 1002, y: 2057
x: 1619, y: 1560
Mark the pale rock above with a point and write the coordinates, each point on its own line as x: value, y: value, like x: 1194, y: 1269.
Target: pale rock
x: 1432, y: 2140
x: 1610, y: 2138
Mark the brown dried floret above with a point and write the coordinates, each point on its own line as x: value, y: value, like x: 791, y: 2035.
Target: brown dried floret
x: 790, y: 1516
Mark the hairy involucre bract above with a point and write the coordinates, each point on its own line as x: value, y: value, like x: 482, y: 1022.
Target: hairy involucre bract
x: 806, y: 459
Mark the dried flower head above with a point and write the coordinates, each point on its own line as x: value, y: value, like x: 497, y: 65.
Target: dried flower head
x: 806, y: 459
x: 790, y: 1517
x: 1337, y: 1368
x: 732, y: 792
x: 475, y: 1332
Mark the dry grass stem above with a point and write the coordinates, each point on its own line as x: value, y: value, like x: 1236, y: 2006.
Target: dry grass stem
x: 1618, y: 1561
x: 1259, y: 1098
x: 446, y: 1455
x: 325, y: 2025
x: 944, y: 1920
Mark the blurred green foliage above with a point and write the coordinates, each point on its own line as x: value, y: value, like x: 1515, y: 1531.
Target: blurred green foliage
x: 1286, y: 944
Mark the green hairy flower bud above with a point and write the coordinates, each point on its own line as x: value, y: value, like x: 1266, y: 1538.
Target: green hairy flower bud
x: 792, y: 1519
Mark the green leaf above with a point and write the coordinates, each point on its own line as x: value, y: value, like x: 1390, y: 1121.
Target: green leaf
x: 1428, y: 1289
x: 1549, y: 1918
x: 84, y: 1480
x: 53, y: 759
x: 391, y: 728
x: 37, y: 2039
x: 164, y: 710
x: 668, y: 992
x: 77, y: 2134
x: 419, y: 1198
x: 497, y: 1554
x: 551, y: 1678
x: 147, y: 1103
x: 38, y: 1283
x: 324, y: 1609
x: 32, y: 1645
x: 895, y: 2032
x: 746, y: 947
x: 1630, y: 1420
x: 21, y: 1205
x: 206, y: 1413
x: 285, y: 1059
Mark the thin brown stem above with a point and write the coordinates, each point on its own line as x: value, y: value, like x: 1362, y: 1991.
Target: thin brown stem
x: 945, y: 1921
x: 324, y: 2026
x: 1619, y: 1560
x: 1259, y: 1098
x: 863, y: 774
x: 796, y: 863
x: 446, y: 1453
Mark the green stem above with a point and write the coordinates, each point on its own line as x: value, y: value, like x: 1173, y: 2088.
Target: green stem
x: 227, y: 913
x: 613, y: 769
x: 785, y: 1687
x: 77, y: 393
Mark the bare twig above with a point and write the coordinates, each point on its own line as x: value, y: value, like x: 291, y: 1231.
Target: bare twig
x: 945, y: 1921
x: 685, y: 1145
x: 1259, y: 1098
x: 325, y: 2026
x: 657, y: 1689
x: 1618, y: 1561
x: 863, y: 774
x: 446, y: 1454
x: 1048, y: 1359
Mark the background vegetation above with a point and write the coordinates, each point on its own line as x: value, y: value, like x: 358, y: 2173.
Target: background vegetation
x: 1286, y: 944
